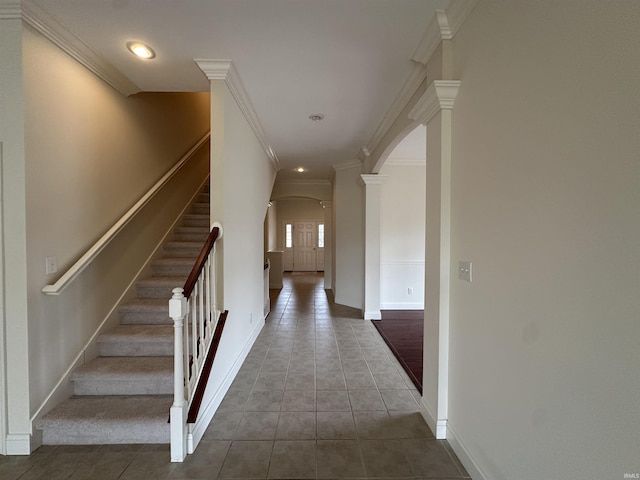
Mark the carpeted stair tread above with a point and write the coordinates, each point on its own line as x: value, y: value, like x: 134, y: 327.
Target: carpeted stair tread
x: 172, y: 266
x: 201, y: 208
x: 183, y: 249
x: 145, y: 311
x: 137, y: 340
x: 196, y: 220
x: 124, y: 376
x: 159, y: 287
x: 125, y: 368
x: 108, y: 420
x: 193, y: 234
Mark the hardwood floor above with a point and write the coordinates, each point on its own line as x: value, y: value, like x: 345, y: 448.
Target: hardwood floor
x: 403, y: 331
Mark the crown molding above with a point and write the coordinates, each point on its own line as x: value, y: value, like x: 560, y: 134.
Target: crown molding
x: 363, y: 154
x: 441, y: 95
x: 54, y: 31
x: 443, y: 26
x: 437, y: 30
x: 346, y: 166
x: 373, y: 178
x: 416, y: 77
x: 458, y: 12
x: 310, y: 181
x: 10, y: 11
x: 405, y: 162
x: 226, y: 70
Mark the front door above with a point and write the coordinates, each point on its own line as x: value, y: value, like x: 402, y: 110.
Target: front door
x: 304, y: 247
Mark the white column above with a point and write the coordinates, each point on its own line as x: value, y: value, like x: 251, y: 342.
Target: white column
x: 372, y: 186
x: 434, y: 109
x: 328, y: 247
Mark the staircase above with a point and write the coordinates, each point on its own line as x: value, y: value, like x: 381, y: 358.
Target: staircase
x: 125, y: 394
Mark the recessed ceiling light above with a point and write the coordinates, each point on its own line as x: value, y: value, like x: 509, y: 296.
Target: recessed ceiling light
x: 316, y: 117
x: 300, y: 169
x: 141, y: 50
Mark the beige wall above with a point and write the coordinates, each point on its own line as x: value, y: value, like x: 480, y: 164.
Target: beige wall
x: 545, y: 201
x: 348, y: 208
x: 90, y: 155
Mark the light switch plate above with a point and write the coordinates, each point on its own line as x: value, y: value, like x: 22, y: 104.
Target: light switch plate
x: 50, y: 265
x: 465, y: 270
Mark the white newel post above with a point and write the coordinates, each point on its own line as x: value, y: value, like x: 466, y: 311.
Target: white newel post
x: 178, y: 312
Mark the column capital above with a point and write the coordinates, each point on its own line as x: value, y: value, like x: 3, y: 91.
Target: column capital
x: 441, y: 95
x: 372, y: 179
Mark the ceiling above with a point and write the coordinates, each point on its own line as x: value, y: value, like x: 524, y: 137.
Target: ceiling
x: 345, y: 59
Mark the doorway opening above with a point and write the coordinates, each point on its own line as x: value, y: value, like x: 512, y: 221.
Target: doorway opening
x: 304, y: 246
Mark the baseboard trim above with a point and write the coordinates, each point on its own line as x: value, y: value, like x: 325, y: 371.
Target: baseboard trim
x: 196, y: 430
x: 428, y: 416
x: 402, y: 306
x: 18, y: 444
x: 373, y: 315
x: 464, y: 455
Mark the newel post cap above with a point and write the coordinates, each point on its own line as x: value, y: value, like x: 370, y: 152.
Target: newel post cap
x: 177, y: 305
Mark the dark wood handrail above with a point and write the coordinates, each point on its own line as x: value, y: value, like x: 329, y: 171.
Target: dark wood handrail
x: 200, y: 262
x: 206, y: 370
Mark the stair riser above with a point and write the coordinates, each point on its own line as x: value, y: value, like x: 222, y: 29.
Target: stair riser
x: 200, y: 208
x: 196, y: 220
x: 135, y: 349
x: 124, y: 387
x: 191, y: 237
x: 184, y: 252
x: 145, y: 318
x: 165, y: 270
x: 148, y: 291
x: 98, y: 434
x: 204, y: 198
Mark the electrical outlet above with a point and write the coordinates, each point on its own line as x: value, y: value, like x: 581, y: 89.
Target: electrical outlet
x: 50, y: 265
x: 410, y: 291
x: 465, y: 270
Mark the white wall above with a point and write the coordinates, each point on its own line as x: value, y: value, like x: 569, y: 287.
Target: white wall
x: 241, y: 181
x: 348, y: 209
x: 90, y: 154
x: 545, y: 201
x: 14, y: 388
x: 402, y: 228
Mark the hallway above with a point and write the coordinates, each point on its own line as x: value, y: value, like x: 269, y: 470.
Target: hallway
x: 320, y: 395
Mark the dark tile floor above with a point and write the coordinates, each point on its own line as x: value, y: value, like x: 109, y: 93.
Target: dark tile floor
x: 319, y: 396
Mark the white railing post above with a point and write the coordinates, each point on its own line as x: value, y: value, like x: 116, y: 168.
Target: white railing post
x: 178, y: 416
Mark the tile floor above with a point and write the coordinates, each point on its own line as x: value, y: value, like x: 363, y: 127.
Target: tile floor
x: 319, y: 396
